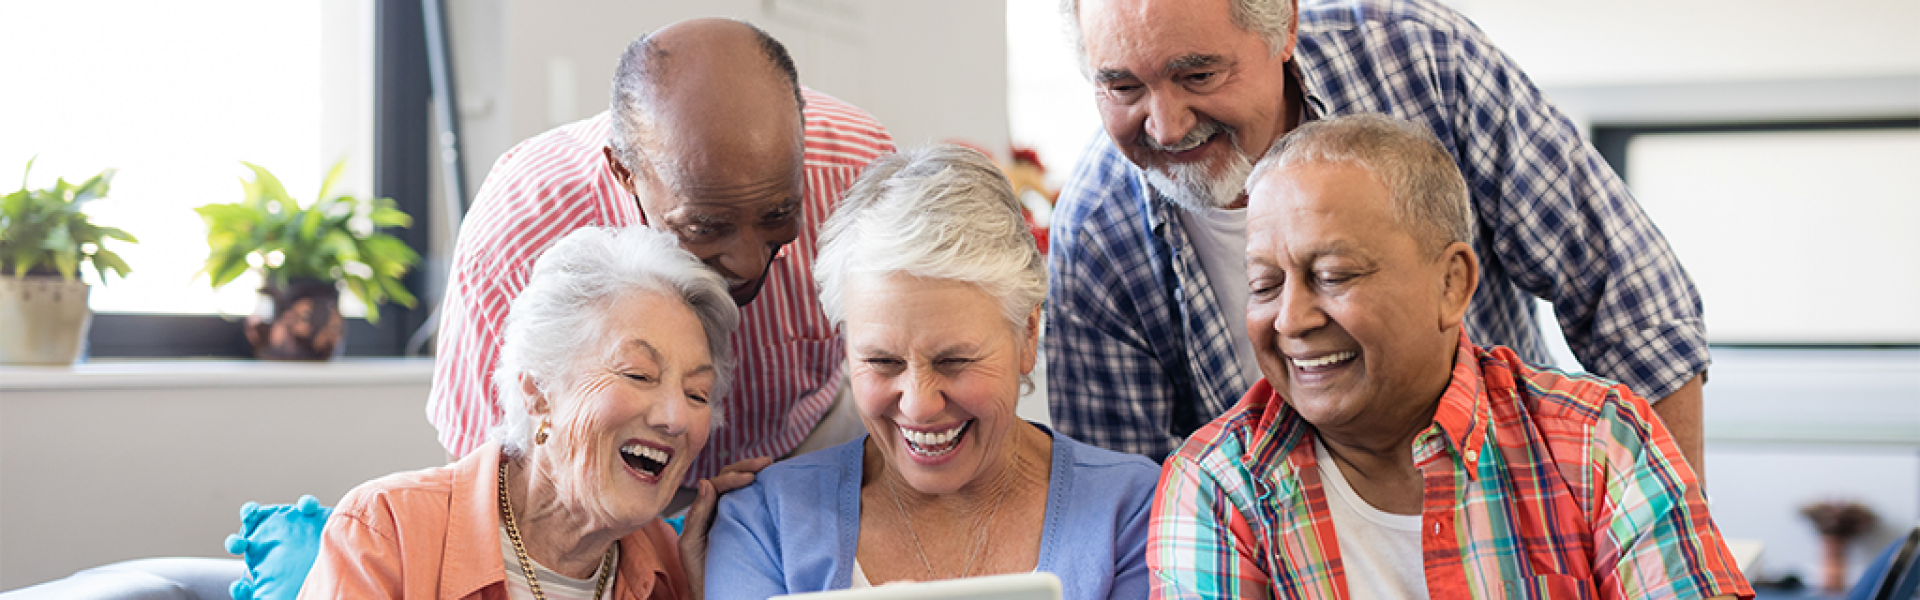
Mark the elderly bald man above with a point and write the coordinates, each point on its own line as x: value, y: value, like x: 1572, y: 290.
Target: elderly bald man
x: 1385, y: 455
x: 709, y: 136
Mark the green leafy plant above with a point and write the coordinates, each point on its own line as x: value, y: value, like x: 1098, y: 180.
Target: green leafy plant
x: 43, y: 232
x: 334, y: 239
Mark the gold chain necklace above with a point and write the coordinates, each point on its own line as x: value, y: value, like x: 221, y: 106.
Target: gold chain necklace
x: 519, y: 549
x: 978, y: 542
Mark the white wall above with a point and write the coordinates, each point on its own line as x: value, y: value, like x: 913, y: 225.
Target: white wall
x: 104, y: 462
x: 929, y: 70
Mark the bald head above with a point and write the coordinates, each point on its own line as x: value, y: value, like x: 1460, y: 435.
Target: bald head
x: 708, y: 137
x: 699, y: 77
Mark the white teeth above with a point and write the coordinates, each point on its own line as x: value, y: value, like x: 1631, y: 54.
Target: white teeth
x: 647, y: 452
x: 933, y: 439
x: 1323, y: 361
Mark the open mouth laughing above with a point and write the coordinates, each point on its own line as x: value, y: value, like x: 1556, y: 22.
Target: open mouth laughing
x: 645, y: 459
x: 1325, y: 360
x: 932, y: 444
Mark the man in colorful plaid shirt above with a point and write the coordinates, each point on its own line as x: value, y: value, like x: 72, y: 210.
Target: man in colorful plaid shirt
x: 1386, y: 455
x: 1145, y: 294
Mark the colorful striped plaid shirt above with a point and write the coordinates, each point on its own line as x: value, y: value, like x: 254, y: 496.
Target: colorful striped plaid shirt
x: 1537, y: 484
x: 789, y: 357
x: 1138, y: 349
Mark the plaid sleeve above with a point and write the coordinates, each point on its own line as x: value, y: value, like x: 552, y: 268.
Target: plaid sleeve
x: 1105, y: 386
x: 1653, y: 535
x: 1198, y: 543
x: 1563, y: 225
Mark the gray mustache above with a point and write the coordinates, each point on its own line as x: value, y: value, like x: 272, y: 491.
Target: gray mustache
x: 1201, y: 132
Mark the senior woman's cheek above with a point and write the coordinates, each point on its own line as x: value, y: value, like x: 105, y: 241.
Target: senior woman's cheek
x: 585, y: 449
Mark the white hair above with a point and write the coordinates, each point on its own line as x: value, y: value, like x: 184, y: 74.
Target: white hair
x: 940, y: 212
x: 1272, y: 20
x: 1429, y: 196
x: 558, y: 320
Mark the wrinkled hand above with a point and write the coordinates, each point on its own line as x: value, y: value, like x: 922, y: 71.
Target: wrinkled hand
x: 693, y: 534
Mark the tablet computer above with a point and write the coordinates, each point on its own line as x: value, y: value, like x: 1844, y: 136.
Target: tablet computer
x: 1018, y: 586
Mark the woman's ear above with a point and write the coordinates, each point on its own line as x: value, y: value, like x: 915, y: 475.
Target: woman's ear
x: 536, y: 398
x: 1462, y: 278
x: 1033, y: 340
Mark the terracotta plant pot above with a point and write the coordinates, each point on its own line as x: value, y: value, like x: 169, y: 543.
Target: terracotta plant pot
x: 305, y: 323
x: 43, y: 320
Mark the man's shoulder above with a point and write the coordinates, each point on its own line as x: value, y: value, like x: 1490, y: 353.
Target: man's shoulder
x: 1242, y: 439
x: 841, y: 134
x: 1348, y: 15
x: 1103, y: 200
x: 1556, y: 398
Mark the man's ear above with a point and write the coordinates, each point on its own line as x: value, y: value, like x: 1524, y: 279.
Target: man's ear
x: 620, y: 171
x: 1293, y: 31
x: 1462, y: 278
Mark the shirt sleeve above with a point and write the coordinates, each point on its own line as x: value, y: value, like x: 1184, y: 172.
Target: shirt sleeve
x: 1105, y: 387
x: 1198, y: 544
x: 1653, y: 535
x: 743, y: 556
x: 1131, y: 579
x: 358, y: 557
x: 1563, y: 225
x: 530, y: 199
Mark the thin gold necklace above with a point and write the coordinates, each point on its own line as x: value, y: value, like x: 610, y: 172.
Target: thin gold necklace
x: 979, y: 541
x: 519, y: 549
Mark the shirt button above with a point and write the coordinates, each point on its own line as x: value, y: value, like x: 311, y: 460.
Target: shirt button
x: 1473, y: 455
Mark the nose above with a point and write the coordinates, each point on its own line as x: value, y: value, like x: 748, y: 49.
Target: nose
x: 1169, y: 117
x: 921, y: 399
x: 1299, y: 311
x: 671, y: 414
x: 744, y: 257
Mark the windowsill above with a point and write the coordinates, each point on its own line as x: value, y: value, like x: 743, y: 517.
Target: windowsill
x: 189, y: 373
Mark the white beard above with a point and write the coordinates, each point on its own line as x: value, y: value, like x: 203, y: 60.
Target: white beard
x: 1189, y: 186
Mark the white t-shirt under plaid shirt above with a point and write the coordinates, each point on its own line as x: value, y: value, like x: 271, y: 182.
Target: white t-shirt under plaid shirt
x: 789, y: 359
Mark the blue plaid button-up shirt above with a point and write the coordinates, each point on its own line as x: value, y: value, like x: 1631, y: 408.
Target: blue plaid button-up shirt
x: 1138, y: 351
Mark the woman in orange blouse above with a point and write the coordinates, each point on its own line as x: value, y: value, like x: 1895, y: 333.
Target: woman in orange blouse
x: 615, y: 355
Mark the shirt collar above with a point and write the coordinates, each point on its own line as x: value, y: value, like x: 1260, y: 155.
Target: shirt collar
x: 1460, y: 421
x: 473, y: 522
x: 1461, y: 418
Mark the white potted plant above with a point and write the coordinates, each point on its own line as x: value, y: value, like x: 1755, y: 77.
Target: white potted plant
x: 44, y: 240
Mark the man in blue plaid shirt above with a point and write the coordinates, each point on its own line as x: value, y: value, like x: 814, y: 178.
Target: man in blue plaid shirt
x: 1145, y: 312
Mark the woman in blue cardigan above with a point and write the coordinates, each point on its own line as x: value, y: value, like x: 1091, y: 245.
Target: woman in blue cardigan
x: 931, y: 271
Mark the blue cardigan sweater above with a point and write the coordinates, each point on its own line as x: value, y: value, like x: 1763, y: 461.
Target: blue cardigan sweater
x: 794, y: 530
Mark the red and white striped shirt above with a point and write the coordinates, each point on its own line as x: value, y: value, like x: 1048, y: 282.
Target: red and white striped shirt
x: 789, y: 357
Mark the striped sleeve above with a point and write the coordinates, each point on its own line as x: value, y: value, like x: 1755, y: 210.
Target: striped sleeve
x: 537, y: 192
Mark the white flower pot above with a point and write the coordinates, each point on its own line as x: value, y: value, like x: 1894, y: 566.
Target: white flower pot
x: 43, y: 320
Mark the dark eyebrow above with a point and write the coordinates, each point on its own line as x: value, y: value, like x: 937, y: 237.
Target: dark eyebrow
x: 1111, y: 75
x: 1194, y: 61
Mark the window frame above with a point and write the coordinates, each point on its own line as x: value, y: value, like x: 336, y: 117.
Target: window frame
x: 1612, y: 141
x: 401, y: 171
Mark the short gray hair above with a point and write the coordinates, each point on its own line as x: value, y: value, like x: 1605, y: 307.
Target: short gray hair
x: 1272, y: 20
x: 940, y: 212
x: 558, y: 320
x: 1429, y: 196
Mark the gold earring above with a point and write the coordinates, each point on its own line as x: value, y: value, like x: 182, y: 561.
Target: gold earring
x: 540, y: 437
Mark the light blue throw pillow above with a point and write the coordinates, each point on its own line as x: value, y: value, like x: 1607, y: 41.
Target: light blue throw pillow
x: 279, y: 543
